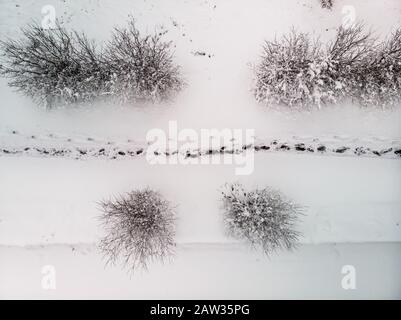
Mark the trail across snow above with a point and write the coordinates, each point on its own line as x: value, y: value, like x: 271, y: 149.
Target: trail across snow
x: 79, y: 147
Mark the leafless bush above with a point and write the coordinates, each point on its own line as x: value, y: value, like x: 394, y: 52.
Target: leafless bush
x: 348, y: 55
x: 58, y: 67
x: 299, y: 72
x: 289, y: 70
x: 53, y: 66
x: 139, y: 228
x: 263, y: 217
x: 379, y: 78
x: 142, y: 66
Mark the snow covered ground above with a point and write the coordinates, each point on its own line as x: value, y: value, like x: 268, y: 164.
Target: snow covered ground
x: 218, y: 87
x: 346, y: 199
x: 48, y: 205
x: 206, y: 271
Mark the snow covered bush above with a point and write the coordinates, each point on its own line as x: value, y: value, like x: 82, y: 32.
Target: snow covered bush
x: 53, y: 66
x: 300, y: 72
x: 139, y: 228
x: 290, y: 72
x: 379, y: 78
x: 349, y: 54
x: 142, y: 67
x: 58, y: 67
x: 263, y: 217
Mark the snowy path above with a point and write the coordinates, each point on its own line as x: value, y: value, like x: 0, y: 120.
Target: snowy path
x: 81, y: 147
x: 206, y: 271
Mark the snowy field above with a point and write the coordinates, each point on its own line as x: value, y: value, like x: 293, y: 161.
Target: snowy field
x: 207, y: 271
x: 63, y: 207
x: 49, y: 204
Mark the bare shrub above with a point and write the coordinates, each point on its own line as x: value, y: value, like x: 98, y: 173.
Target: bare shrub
x: 379, y: 78
x: 263, y: 217
x: 348, y: 55
x: 139, y: 228
x: 142, y: 66
x: 299, y: 72
x: 289, y: 72
x: 53, y: 66
x: 58, y: 67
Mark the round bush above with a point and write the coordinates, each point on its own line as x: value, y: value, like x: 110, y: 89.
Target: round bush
x: 289, y: 72
x: 53, y: 66
x: 263, y: 217
x: 142, y: 66
x: 139, y: 228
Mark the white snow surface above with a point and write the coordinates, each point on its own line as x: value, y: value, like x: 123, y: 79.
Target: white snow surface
x: 352, y: 206
x: 218, y: 93
x: 55, y: 200
x: 208, y: 271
